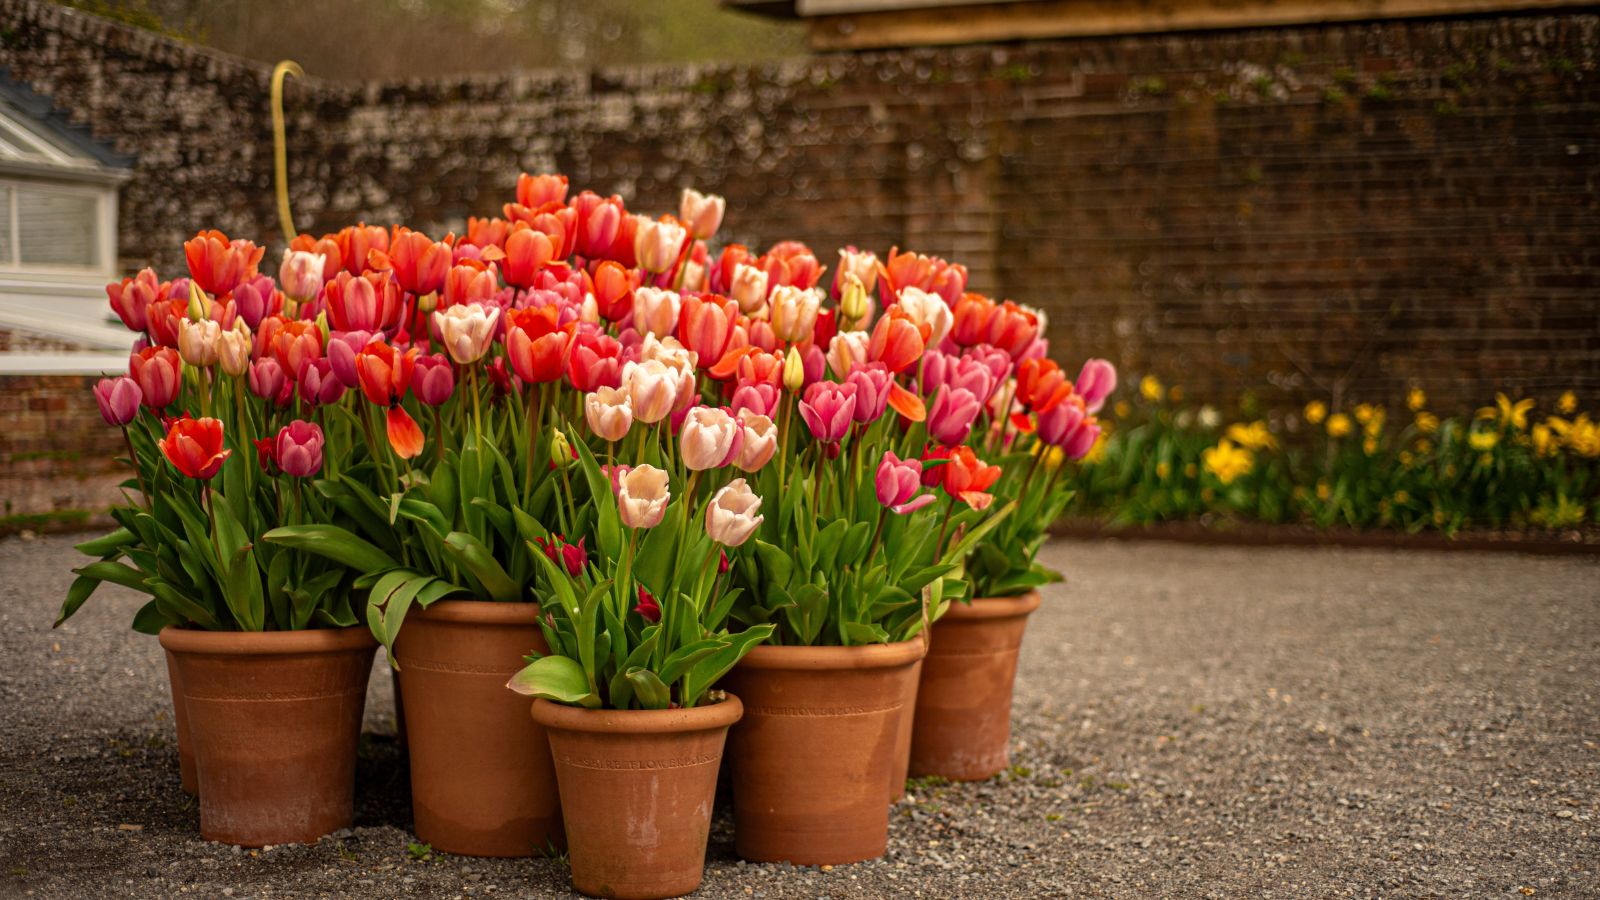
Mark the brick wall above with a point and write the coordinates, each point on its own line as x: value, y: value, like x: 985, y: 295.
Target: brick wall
x: 1343, y: 209
x: 56, y: 454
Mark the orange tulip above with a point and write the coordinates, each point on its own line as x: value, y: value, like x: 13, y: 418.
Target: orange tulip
x: 527, y: 251
x: 356, y: 243
x: 969, y: 478
x: 972, y: 315
x: 896, y: 341
x: 1037, y: 382
x: 194, y: 447
x: 613, y: 290
x: 536, y: 343
x: 420, y: 263
x: 1012, y: 329
x: 293, y: 343
x: 534, y: 191
x: 384, y: 372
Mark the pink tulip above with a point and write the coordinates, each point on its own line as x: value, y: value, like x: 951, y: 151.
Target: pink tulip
x: 433, y: 380
x: 1078, y: 445
x: 608, y: 413
x: 131, y: 298
x: 758, y: 397
x: 255, y: 298
x: 1096, y: 380
x: 898, y: 481
x: 118, y: 399
x: 872, y: 382
x: 828, y: 408
x: 267, y: 380
x: 951, y: 416
x: 158, y: 371
x: 1060, y: 424
x: 301, y: 274
x: 317, y: 383
x: 298, y: 449
x: 342, y: 349
x: 997, y: 361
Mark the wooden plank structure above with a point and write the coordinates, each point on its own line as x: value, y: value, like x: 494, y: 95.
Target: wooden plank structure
x: 868, y: 24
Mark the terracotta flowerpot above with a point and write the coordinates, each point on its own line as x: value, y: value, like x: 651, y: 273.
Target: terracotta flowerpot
x: 636, y: 791
x: 963, y: 719
x: 274, y: 717
x: 180, y: 718
x: 481, y: 780
x: 814, y: 754
x: 909, y: 681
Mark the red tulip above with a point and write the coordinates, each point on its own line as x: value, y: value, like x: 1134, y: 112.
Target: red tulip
x: 1012, y: 329
x: 647, y: 608
x: 158, y: 371
x: 969, y: 478
x: 791, y: 263
x: 194, y: 447
x: 1037, y: 383
x: 536, y: 343
x: 594, y: 360
x: 420, y: 263
x: 599, y: 220
x: 163, y: 318
x: 218, y: 264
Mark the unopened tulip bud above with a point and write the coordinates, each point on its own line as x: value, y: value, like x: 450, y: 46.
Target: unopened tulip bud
x: 197, y: 341
x: 427, y: 303
x: 560, y: 449
x: 794, y: 371
x: 197, y: 302
x: 233, y: 349
x: 853, y: 305
x: 322, y: 326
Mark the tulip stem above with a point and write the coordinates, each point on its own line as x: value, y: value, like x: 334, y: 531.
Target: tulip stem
x: 944, y: 526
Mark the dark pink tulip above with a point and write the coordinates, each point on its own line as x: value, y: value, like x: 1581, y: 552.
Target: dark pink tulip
x: 1059, y: 425
x: 951, y: 416
x: 872, y: 381
x: 318, y: 385
x: 342, y: 349
x: 757, y: 396
x: 256, y: 298
x: 434, y: 379
x: 898, y: 481
x: 828, y: 409
x: 119, y: 399
x: 267, y: 380
x: 815, y: 362
x: 1080, y: 442
x: 298, y: 449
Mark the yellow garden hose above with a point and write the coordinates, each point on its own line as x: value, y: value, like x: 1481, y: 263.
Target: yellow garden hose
x: 280, y: 144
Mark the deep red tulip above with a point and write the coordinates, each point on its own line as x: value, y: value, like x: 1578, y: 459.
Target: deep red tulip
x: 599, y: 220
x: 194, y: 447
x: 647, y: 608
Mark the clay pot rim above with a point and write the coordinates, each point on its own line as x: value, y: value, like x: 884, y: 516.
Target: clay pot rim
x: 993, y: 607
x: 266, y: 643
x: 480, y: 612
x: 862, y: 656
x: 638, y: 721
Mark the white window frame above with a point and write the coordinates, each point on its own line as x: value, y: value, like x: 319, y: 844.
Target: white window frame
x: 103, y: 251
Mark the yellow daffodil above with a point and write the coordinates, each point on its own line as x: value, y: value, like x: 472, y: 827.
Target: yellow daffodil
x: 1424, y: 445
x: 1583, y: 438
x: 1373, y: 426
x: 1150, y: 388
x: 1544, y: 439
x: 1324, y: 491
x: 1427, y: 422
x: 1122, y: 409
x: 1369, y: 446
x: 1227, y: 461
x: 1254, y: 436
x: 1482, y: 441
x: 1401, y: 496
x: 1416, y: 399
x: 1338, y: 425
x: 1163, y: 469
x: 1315, y: 412
x: 1406, y: 457
x: 1508, y: 413
x: 1567, y: 404
x: 1364, y: 412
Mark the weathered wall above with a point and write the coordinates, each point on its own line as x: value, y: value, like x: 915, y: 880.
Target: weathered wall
x: 1345, y: 209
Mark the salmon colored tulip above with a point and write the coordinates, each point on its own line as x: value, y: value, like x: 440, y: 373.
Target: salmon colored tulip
x: 118, y: 399
x: 719, y: 275
x: 534, y: 191
x: 218, y: 264
x: 594, y: 360
x: 368, y: 302
x: 420, y: 263
x: 483, y: 234
x: 949, y: 282
x: 536, y: 344
x: 131, y: 298
x: 897, y: 342
x: 528, y: 251
x: 405, y: 438
x: 792, y: 263
x: 710, y: 438
x: 613, y: 290
x: 195, y: 447
x: 294, y: 343
x: 1012, y: 329
x: 705, y: 326
x: 970, y: 322
x: 357, y: 243
x: 471, y: 281
x: 158, y: 370
x: 759, y: 441
x: 1038, y: 380
x: 655, y: 311
x: 599, y: 220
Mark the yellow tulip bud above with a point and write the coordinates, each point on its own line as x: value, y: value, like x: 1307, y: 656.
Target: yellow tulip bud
x: 853, y: 303
x: 560, y: 449
x: 794, y: 371
x: 197, y: 302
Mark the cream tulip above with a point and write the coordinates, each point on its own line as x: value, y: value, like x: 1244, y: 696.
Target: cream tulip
x: 642, y: 496
x: 466, y: 330
x: 701, y: 212
x: 655, y: 311
x: 860, y: 264
x: 793, y: 312
x: 233, y: 349
x: 608, y: 412
x: 657, y: 244
x: 301, y: 274
x: 749, y: 288
x: 759, y: 443
x: 709, y: 438
x: 652, y: 389
x: 846, y: 350
x: 733, y: 514
x: 927, y: 309
x: 197, y: 341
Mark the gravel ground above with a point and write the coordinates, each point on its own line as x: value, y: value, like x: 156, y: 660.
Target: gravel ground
x: 1190, y: 722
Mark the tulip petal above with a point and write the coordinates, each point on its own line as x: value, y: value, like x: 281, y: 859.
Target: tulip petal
x: 729, y: 363
x: 405, y: 437
x: 977, y: 499
x: 907, y: 404
x: 914, y: 504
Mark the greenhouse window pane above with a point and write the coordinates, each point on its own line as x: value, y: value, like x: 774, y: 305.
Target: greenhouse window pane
x: 5, y: 225
x: 57, y: 228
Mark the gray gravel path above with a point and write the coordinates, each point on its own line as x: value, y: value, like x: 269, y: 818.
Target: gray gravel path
x: 1191, y: 722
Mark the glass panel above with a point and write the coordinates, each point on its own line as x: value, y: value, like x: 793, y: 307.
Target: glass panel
x: 5, y: 225
x: 56, y: 228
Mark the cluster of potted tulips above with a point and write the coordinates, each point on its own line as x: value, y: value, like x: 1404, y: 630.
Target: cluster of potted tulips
x: 574, y: 455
